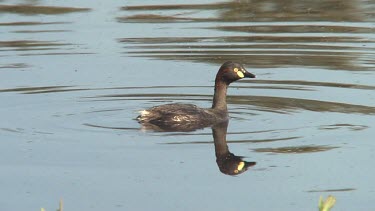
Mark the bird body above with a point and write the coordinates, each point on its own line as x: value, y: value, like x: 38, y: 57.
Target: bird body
x: 186, y: 117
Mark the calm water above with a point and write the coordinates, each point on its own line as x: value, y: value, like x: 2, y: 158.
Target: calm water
x: 74, y: 74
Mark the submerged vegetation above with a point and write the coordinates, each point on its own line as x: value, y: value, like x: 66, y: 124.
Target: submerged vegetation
x: 324, y: 205
x: 59, y: 209
x: 327, y: 204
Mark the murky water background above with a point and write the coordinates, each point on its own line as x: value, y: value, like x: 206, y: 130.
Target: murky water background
x: 74, y: 75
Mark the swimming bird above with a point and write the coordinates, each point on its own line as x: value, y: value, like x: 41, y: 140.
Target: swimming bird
x: 188, y: 117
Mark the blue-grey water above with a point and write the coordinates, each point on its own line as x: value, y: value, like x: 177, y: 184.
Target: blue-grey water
x: 74, y: 74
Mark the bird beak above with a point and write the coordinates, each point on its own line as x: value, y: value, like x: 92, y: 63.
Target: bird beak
x: 248, y: 74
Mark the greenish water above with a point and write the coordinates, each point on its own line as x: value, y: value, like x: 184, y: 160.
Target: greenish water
x: 75, y: 74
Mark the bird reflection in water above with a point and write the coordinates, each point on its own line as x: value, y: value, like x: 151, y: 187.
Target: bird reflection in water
x: 227, y: 162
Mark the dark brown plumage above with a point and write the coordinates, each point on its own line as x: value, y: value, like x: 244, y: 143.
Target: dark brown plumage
x: 187, y: 117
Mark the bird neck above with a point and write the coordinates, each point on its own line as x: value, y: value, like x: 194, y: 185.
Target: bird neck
x: 220, y: 101
x: 219, y: 133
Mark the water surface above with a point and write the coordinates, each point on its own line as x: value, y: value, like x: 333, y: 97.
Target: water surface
x: 75, y: 74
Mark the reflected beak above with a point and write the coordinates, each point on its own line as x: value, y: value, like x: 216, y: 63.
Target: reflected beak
x: 249, y: 164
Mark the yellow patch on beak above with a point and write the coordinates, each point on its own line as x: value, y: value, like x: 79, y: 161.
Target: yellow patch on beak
x: 240, y: 166
x: 240, y: 74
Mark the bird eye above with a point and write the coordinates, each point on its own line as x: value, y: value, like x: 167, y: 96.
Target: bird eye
x: 235, y: 69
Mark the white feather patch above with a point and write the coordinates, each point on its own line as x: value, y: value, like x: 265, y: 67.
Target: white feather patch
x: 144, y: 113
